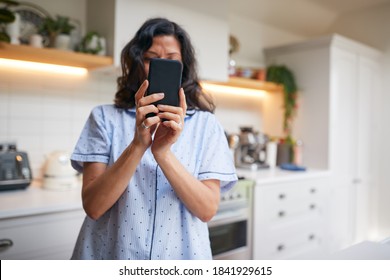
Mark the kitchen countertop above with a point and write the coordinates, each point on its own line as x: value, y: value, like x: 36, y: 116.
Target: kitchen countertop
x: 277, y: 175
x: 35, y: 200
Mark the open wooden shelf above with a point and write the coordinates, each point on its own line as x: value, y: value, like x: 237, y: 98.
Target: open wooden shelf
x: 250, y: 83
x: 54, y: 56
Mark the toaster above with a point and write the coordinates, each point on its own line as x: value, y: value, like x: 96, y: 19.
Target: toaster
x: 15, y: 171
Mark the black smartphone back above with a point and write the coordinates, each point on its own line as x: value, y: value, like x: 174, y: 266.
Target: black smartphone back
x: 165, y: 76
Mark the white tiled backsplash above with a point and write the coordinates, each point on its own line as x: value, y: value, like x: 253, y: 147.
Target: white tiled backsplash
x: 46, y: 112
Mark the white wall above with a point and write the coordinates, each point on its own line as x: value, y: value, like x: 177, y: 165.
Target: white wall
x: 206, y: 25
x: 254, y: 37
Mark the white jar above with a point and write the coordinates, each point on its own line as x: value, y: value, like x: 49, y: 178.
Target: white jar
x: 36, y: 41
x: 271, y: 151
x: 62, y: 42
x: 13, y: 30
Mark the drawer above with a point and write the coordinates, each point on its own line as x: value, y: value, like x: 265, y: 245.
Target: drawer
x: 293, y: 210
x: 279, y: 194
x: 282, y: 202
x: 49, y: 236
x: 283, y: 243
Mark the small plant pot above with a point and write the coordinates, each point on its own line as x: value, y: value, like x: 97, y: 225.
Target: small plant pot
x: 62, y: 42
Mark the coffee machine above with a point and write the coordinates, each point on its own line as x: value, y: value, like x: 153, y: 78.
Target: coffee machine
x: 251, y: 149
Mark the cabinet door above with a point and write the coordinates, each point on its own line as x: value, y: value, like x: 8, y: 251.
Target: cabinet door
x: 354, y: 84
x: 368, y: 83
x: 45, y: 237
x: 343, y: 115
x: 343, y: 145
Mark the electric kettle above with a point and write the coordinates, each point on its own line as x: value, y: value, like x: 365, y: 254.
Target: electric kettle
x: 58, y: 172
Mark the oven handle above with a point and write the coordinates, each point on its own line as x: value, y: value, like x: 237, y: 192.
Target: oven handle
x: 231, y: 216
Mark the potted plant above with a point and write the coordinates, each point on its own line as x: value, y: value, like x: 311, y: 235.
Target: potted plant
x: 58, y: 31
x: 282, y: 75
x: 92, y: 43
x: 6, y: 17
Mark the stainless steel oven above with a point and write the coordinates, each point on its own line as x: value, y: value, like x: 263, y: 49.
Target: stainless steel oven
x: 231, y: 228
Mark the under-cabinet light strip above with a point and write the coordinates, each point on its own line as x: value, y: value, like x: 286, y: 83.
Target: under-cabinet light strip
x: 36, y: 66
x: 213, y: 88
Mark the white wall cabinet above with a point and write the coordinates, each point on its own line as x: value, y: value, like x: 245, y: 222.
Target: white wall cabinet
x: 290, y: 219
x: 339, y: 82
x: 206, y: 22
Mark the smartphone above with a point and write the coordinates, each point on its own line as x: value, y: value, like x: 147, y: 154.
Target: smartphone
x: 165, y: 76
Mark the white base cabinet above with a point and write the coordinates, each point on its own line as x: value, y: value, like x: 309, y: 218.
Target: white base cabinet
x: 290, y: 219
x: 50, y: 236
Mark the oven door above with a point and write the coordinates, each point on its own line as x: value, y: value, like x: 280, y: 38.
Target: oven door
x: 229, y: 233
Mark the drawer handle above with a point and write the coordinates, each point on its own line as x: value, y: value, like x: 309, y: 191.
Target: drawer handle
x: 313, y: 190
x: 5, y: 243
x: 312, y: 206
x: 312, y: 237
x: 281, y: 214
x: 282, y: 196
x: 280, y: 247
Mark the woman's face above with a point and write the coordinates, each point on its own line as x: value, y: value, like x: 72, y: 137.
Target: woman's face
x: 163, y: 46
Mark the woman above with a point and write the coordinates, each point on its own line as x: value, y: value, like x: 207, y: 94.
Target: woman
x: 150, y: 186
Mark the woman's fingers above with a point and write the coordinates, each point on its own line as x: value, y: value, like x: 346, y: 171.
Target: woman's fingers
x: 174, y: 116
x: 144, y: 110
x: 149, y: 99
x: 150, y: 123
x: 169, y: 116
x: 144, y: 104
x: 142, y: 100
x: 183, y: 102
x: 141, y: 92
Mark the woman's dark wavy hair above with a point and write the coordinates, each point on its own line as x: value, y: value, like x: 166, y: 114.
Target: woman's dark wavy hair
x: 133, y: 70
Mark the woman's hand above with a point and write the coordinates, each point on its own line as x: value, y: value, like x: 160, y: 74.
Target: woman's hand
x: 145, y: 127
x: 169, y: 131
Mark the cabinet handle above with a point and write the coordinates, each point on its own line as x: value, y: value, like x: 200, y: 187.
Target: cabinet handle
x: 282, y: 196
x: 312, y: 237
x: 312, y: 206
x: 280, y: 247
x: 313, y: 190
x: 281, y: 214
x: 5, y: 243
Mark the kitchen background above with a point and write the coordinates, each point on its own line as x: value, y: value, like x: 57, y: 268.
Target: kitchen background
x: 43, y: 112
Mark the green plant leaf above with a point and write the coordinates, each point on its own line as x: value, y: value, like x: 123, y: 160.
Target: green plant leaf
x: 4, y: 37
x: 59, y: 25
x: 6, y: 16
x: 9, y: 2
x: 280, y: 74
